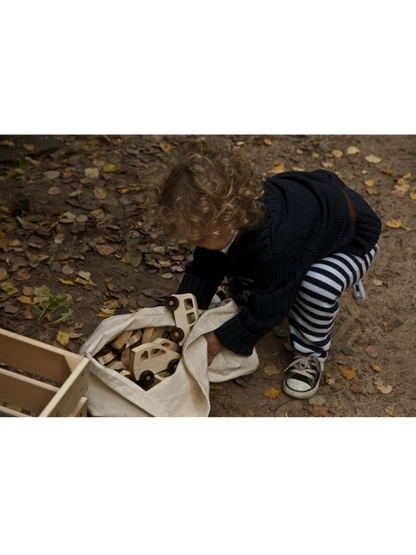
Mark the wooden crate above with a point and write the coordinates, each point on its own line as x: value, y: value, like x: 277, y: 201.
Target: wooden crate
x: 63, y: 367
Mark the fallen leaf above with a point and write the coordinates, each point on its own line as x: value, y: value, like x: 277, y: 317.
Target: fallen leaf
x: 267, y: 142
x: 66, y: 175
x: 133, y: 258
x: 272, y: 393
x: 394, y: 224
x: 347, y: 371
x: 28, y: 291
x: 317, y: 401
x: 42, y: 291
x: 104, y: 315
x: 24, y: 300
x: 54, y: 191
x: 315, y: 155
x: 66, y: 281
x: 27, y: 314
x: 9, y: 288
x: 372, y: 192
x: 85, y: 275
x: 99, y: 193
x: 262, y: 362
x: 51, y: 174
x: 337, y: 153
x: 279, y: 168
x: 167, y: 276
x: 165, y: 147
x: 97, y: 214
x: 92, y: 173
x: 67, y: 270
x: 389, y: 410
x: 62, y: 338
x: 353, y: 150
x: 28, y: 146
x: 369, y: 182
x: 397, y: 193
x: 105, y: 250
x: 373, y: 159
x: 413, y: 196
x: 122, y: 190
x: 377, y: 282
x: 327, y: 165
x: 81, y: 218
x: 74, y: 335
x: 81, y: 281
x: 75, y: 193
x: 372, y: 351
x: 240, y: 143
x: 375, y: 368
x: 329, y: 379
x: 112, y: 304
x: 322, y: 412
x: 59, y: 239
x: 347, y: 351
x: 3, y: 274
x: 356, y: 388
x: 11, y: 309
x: 271, y: 370
x: 388, y: 172
x: 383, y: 388
x: 110, y: 168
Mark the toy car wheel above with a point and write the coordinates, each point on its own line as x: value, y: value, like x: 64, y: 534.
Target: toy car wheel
x: 171, y: 303
x: 176, y: 334
x: 166, y: 334
x: 172, y: 365
x: 146, y: 378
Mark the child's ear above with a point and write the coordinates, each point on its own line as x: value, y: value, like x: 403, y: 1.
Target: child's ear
x: 236, y: 214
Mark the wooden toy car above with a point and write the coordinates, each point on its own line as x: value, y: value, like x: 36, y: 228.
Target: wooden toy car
x: 150, y: 359
x: 171, y: 345
x: 185, y: 312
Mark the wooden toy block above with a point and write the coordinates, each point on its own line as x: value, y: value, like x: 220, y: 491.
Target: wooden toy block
x: 160, y: 377
x: 150, y: 334
x: 116, y: 365
x: 185, y: 312
x: 105, y: 356
x: 150, y: 359
x: 125, y: 358
x: 43, y: 361
x: 121, y: 340
x: 134, y: 339
x: 125, y: 373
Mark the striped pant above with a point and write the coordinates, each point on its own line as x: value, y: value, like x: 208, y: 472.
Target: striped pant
x: 313, y: 315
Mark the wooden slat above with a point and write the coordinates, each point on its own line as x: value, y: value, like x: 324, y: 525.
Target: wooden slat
x: 10, y: 412
x: 36, y: 357
x: 81, y: 409
x: 27, y: 393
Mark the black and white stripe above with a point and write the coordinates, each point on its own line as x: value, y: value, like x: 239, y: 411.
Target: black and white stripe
x: 313, y: 315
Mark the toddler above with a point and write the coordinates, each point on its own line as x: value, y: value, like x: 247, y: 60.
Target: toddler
x: 289, y: 247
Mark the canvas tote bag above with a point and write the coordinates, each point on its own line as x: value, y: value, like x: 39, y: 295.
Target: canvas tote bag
x: 186, y: 392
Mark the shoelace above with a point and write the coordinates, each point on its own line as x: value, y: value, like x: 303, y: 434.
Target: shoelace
x: 302, y: 365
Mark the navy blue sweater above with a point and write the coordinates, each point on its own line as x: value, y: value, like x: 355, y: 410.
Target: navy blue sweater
x: 306, y: 219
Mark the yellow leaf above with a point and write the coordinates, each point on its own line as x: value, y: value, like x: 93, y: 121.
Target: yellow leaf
x: 59, y: 238
x: 240, y: 143
x: 272, y: 393
x: 287, y: 413
x: 97, y: 214
x: 24, y: 300
x: 3, y: 274
x: 262, y: 362
x: 373, y: 159
x: 103, y: 315
x: 66, y: 175
x: 407, y: 176
x: 110, y: 168
x: 377, y: 282
x: 388, y: 172
x: 62, y: 338
x: 329, y: 379
x: 372, y: 192
x: 352, y: 150
x: 369, y: 183
x: 66, y: 281
x: 268, y: 142
x: 376, y: 368
x: 27, y: 314
x: 413, y: 196
x: 82, y: 281
x: 279, y: 168
x: 337, y: 153
x: 327, y: 165
x: 403, y: 183
x: 99, y: 193
x: 165, y: 147
x: 122, y: 191
x: 54, y: 191
x: 394, y: 223
x: 398, y: 194
x: 347, y: 371
x: 28, y: 147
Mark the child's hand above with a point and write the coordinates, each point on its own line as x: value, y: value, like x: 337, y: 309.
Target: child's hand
x: 214, y: 346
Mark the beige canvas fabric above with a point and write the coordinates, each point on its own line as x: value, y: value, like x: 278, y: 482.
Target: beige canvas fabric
x: 186, y: 392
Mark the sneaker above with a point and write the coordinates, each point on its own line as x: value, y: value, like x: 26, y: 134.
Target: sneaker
x: 303, y: 377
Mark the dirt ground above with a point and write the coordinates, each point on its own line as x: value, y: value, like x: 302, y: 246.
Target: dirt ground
x: 88, y: 217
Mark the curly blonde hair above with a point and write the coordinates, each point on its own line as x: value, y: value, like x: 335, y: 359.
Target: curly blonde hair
x: 205, y: 189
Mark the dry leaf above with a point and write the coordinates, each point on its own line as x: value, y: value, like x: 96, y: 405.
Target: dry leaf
x: 85, y: 275
x: 62, y: 338
x: 133, y: 258
x: 394, y: 223
x: 51, y: 174
x: 383, y: 388
x: 99, y: 193
x: 388, y: 172
x: 3, y: 274
x: 66, y: 281
x: 104, y: 315
x: 375, y: 368
x: 75, y: 193
x: 373, y: 159
x: 413, y: 196
x: 327, y: 165
x: 369, y: 182
x: 25, y: 300
x: 60, y: 238
x: 105, y: 250
x: 271, y: 370
x: 329, y: 379
x: 92, y: 173
x: 372, y: 351
x: 352, y: 150
x: 337, y: 153
x: 66, y: 175
x: 321, y: 411
x: 267, y: 142
x: 110, y: 168
x: 372, y: 192
x: 407, y: 176
x: 262, y: 362
x: 272, y: 393
x: 122, y: 190
x: 402, y: 188
x: 390, y: 410
x: 97, y: 214
x: 54, y: 191
x: 347, y: 371
x: 377, y: 282
x: 280, y: 168
x: 356, y: 388
x: 28, y: 147
x: 165, y: 147
x: 27, y: 314
x: 317, y: 401
x: 398, y: 194
x: 67, y: 270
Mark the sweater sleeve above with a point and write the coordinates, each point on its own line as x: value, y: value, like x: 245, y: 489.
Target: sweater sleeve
x: 277, y: 281
x: 203, y: 275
